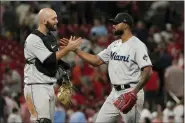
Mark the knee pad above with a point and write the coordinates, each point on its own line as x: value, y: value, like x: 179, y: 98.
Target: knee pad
x: 43, y: 120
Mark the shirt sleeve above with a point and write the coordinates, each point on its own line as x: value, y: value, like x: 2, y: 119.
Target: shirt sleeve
x: 105, y: 54
x: 142, y: 57
x: 39, y: 50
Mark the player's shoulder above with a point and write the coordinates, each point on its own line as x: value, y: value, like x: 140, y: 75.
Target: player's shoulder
x: 137, y: 43
x: 32, y: 39
x: 115, y: 42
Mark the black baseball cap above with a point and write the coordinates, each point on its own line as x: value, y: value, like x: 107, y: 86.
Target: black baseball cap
x: 122, y: 18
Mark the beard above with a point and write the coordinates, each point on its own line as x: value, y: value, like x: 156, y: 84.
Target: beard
x: 118, y: 32
x: 50, y: 27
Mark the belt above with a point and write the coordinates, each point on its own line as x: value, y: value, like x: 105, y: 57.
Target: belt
x: 121, y: 87
x: 39, y: 83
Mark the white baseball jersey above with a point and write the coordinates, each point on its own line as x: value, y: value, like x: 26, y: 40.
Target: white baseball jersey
x: 35, y: 48
x: 125, y: 60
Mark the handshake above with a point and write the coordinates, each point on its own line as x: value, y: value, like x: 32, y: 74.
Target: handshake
x: 64, y: 94
x: 71, y: 44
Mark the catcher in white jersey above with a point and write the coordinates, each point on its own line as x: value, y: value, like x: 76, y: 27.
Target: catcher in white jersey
x: 44, y: 68
x: 129, y: 68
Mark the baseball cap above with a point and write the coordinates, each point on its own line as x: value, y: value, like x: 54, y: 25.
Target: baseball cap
x: 122, y: 18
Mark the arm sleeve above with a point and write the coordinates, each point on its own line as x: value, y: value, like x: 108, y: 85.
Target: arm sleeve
x: 142, y: 58
x: 105, y: 54
x: 39, y: 50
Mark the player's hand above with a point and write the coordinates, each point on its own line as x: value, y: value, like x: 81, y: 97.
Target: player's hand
x: 63, y: 42
x: 72, y: 43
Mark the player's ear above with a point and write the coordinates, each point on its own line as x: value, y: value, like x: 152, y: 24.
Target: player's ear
x: 125, y: 25
x: 45, y: 21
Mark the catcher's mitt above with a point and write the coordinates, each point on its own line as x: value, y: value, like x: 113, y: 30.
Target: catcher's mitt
x: 65, y: 93
x: 66, y: 87
x: 126, y: 101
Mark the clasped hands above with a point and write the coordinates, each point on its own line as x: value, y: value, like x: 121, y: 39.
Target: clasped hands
x: 71, y: 44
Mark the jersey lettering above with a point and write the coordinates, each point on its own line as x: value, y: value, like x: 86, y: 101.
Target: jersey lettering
x: 114, y: 56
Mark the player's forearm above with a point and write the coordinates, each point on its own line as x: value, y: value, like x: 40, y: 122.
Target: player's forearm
x: 145, y: 75
x: 89, y: 58
x: 61, y: 53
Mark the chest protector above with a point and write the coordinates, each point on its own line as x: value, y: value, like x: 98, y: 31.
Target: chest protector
x: 51, y: 44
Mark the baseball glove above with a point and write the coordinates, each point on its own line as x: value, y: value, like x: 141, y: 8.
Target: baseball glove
x: 126, y: 101
x: 65, y: 90
x: 64, y: 94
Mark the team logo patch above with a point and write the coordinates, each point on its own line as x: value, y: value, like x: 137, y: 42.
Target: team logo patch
x: 145, y: 57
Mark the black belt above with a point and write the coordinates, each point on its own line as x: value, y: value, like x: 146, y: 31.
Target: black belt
x: 39, y: 83
x: 122, y: 87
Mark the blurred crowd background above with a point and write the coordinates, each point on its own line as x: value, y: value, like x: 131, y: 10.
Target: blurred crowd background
x: 160, y: 25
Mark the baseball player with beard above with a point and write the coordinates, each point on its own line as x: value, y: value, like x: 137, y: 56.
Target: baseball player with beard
x: 129, y: 68
x: 43, y: 58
